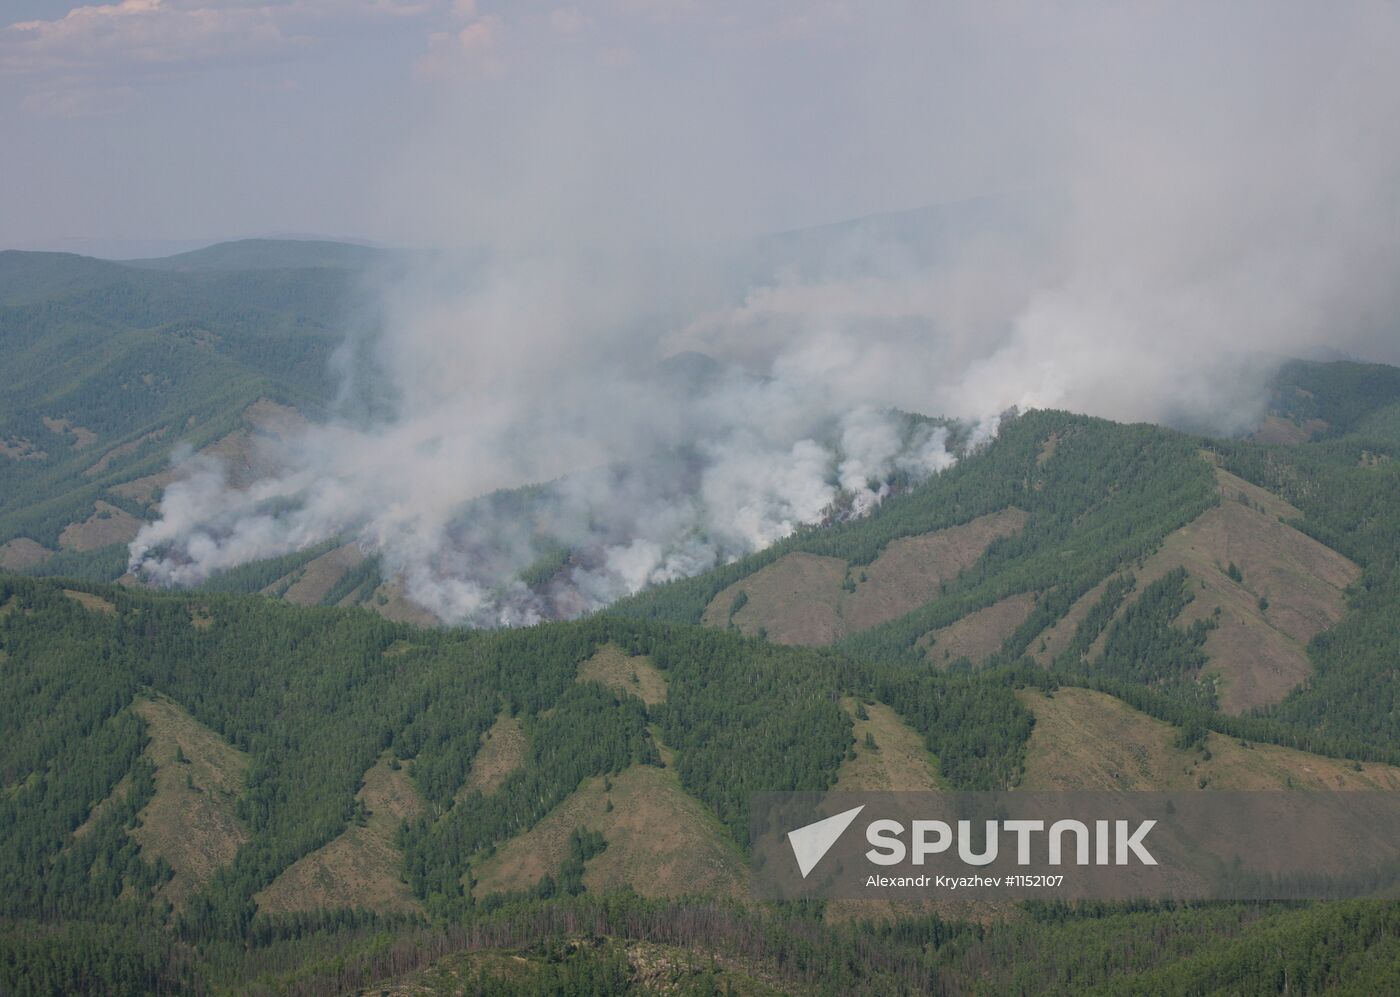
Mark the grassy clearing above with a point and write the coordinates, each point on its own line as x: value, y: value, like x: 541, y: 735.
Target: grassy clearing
x: 661, y: 841
x: 390, y: 602
x: 1056, y: 637
x: 124, y: 450
x: 1088, y: 740
x: 145, y: 489
x: 21, y: 553
x: 911, y: 571
x: 1290, y: 586
x: 106, y: 526
x: 978, y: 635
x: 1279, y: 430
x: 794, y: 600
x: 624, y: 674
x: 318, y: 576
x: 361, y: 867
x: 190, y: 821
x: 502, y: 751
x: 82, y: 438
x: 89, y: 601
x: 899, y: 761
x: 118, y: 793
x: 812, y: 600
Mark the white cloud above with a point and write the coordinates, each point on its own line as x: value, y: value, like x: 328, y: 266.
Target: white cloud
x: 138, y: 32
x: 104, y: 38
x: 474, y: 48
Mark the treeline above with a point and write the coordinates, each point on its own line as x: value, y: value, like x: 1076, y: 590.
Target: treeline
x: 579, y: 944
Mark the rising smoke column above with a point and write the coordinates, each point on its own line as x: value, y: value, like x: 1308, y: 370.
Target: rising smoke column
x: 522, y: 439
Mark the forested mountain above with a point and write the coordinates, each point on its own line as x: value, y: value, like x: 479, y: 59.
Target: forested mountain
x: 214, y: 790
x: 197, y: 788
x: 111, y: 366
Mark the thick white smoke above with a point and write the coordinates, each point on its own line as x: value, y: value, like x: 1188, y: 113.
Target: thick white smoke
x: 652, y: 471
x: 1214, y: 188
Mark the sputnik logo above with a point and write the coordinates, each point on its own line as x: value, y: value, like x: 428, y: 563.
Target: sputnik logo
x: 811, y: 842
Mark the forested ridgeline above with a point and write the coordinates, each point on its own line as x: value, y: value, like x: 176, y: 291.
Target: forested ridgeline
x: 313, y: 697
x: 1095, y: 495
x: 1099, y: 504
x: 110, y: 366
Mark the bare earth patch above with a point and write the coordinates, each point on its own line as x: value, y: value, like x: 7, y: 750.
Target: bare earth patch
x: 318, y: 576
x: 614, y: 668
x: 145, y: 489
x: 106, y: 526
x: 794, y: 600
x: 800, y: 599
x: 502, y: 751
x: 1088, y: 740
x: 361, y: 867
x: 661, y: 841
x: 910, y: 571
x: 63, y: 427
x: 898, y: 762
x: 21, y: 553
x: 978, y: 635
x: 18, y: 448
x: 190, y: 821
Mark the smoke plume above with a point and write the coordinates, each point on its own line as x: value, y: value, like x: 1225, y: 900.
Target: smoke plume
x: 1144, y: 209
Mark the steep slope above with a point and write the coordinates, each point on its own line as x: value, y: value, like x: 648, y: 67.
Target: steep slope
x: 812, y: 600
x: 888, y: 755
x: 190, y: 822
x: 502, y: 752
x: 631, y: 675
x: 1088, y: 740
x: 111, y: 367
x: 978, y: 635
x: 661, y: 842
x: 1266, y: 588
x: 362, y: 867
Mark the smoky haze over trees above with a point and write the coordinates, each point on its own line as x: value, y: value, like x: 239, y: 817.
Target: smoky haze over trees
x: 1141, y: 208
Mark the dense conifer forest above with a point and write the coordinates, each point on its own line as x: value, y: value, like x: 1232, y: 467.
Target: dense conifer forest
x: 310, y: 700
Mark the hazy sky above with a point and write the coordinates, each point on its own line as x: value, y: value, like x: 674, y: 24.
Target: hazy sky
x: 454, y: 120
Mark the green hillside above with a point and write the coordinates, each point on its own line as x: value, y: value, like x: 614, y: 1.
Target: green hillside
x: 217, y: 791
x: 152, y: 806
x: 110, y: 367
